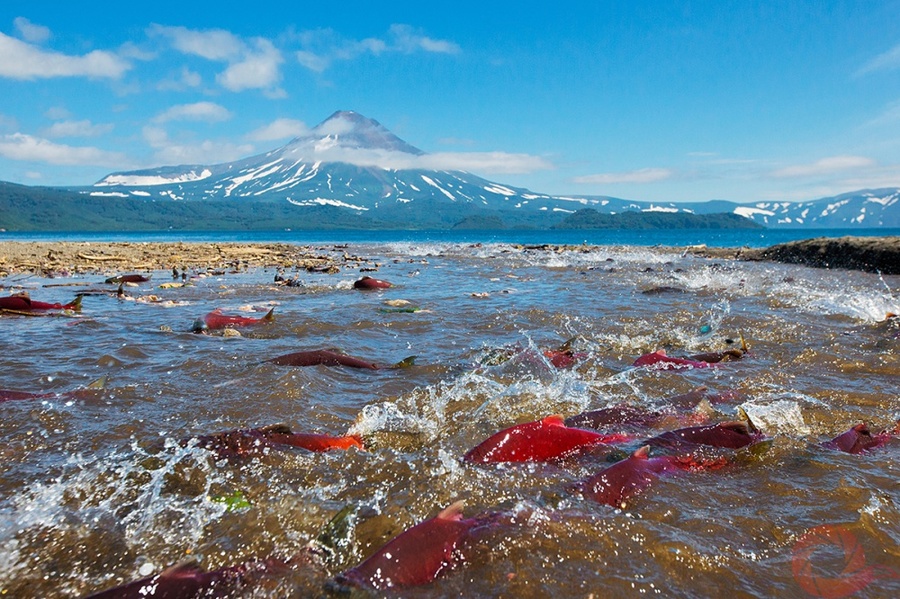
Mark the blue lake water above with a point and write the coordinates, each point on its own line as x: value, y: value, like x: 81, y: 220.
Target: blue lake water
x: 677, y: 237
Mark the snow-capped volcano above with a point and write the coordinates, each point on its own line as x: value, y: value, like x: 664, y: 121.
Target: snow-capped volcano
x: 348, y: 160
x: 353, y: 163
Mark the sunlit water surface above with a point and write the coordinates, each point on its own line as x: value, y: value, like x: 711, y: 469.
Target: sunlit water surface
x: 97, y: 490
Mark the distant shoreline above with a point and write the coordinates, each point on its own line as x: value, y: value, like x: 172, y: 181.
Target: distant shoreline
x: 55, y: 258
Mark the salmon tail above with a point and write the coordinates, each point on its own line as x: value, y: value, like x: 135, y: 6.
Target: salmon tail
x: 354, y: 441
x: 76, y: 303
x: 405, y: 362
x: 270, y: 316
x: 744, y: 347
x: 335, y: 536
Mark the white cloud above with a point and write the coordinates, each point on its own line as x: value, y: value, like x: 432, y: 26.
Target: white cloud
x: 825, y: 166
x: 27, y: 62
x: 320, y: 48
x: 279, y: 129
x: 30, y: 32
x: 251, y: 65
x: 199, y: 111
x: 212, y: 44
x: 171, y: 152
x: 77, y: 129
x: 644, y: 175
x: 259, y: 69
x: 883, y: 62
x: 20, y: 146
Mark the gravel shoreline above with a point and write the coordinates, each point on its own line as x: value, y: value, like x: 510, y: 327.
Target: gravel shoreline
x: 873, y: 254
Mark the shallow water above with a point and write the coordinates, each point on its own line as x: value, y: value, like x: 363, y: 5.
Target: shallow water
x: 96, y: 490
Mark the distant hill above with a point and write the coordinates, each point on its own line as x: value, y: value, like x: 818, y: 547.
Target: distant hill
x: 350, y: 172
x: 589, y: 218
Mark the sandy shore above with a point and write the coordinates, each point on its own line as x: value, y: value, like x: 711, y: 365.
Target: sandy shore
x: 56, y: 258
x: 874, y: 254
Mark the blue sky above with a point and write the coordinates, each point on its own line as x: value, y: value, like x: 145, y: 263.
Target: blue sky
x: 660, y: 101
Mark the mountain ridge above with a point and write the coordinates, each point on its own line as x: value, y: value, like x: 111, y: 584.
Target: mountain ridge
x: 363, y: 173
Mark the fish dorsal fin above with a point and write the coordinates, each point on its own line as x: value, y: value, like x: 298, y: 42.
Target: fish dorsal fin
x: 182, y: 570
x: 642, y: 453
x: 279, y: 428
x: 553, y: 420
x: 99, y: 383
x: 736, y: 426
x: 660, y: 352
x: 270, y: 315
x: 405, y: 362
x: 453, y: 511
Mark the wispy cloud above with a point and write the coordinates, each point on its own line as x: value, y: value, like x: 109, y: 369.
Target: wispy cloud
x: 251, y: 64
x: 279, y: 129
x: 408, y: 39
x: 825, y: 166
x: 644, y: 175
x: 20, y: 146
x: 479, y: 162
x: 209, y: 112
x: 886, y: 61
x: 186, y: 79
x: 211, y: 44
x: 168, y: 151
x: 27, y: 62
x: 31, y: 32
x: 84, y: 128
x: 320, y: 48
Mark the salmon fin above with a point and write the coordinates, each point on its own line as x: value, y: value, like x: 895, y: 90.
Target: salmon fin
x: 642, y: 453
x: 554, y: 420
x: 453, y: 511
x: 737, y: 426
x: 745, y: 417
x: 405, y: 362
x: 744, y: 347
x: 279, y: 428
x: 270, y: 316
x: 99, y: 383
x: 179, y: 570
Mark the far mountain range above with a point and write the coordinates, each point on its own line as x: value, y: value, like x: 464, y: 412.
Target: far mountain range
x: 350, y: 172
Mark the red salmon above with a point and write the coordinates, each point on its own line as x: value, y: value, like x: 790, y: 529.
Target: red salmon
x: 215, y: 320
x: 538, y: 441
x: 623, y: 480
x: 370, y: 283
x: 22, y: 303
x: 416, y: 556
x: 858, y: 439
x: 660, y: 361
x: 325, y: 357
